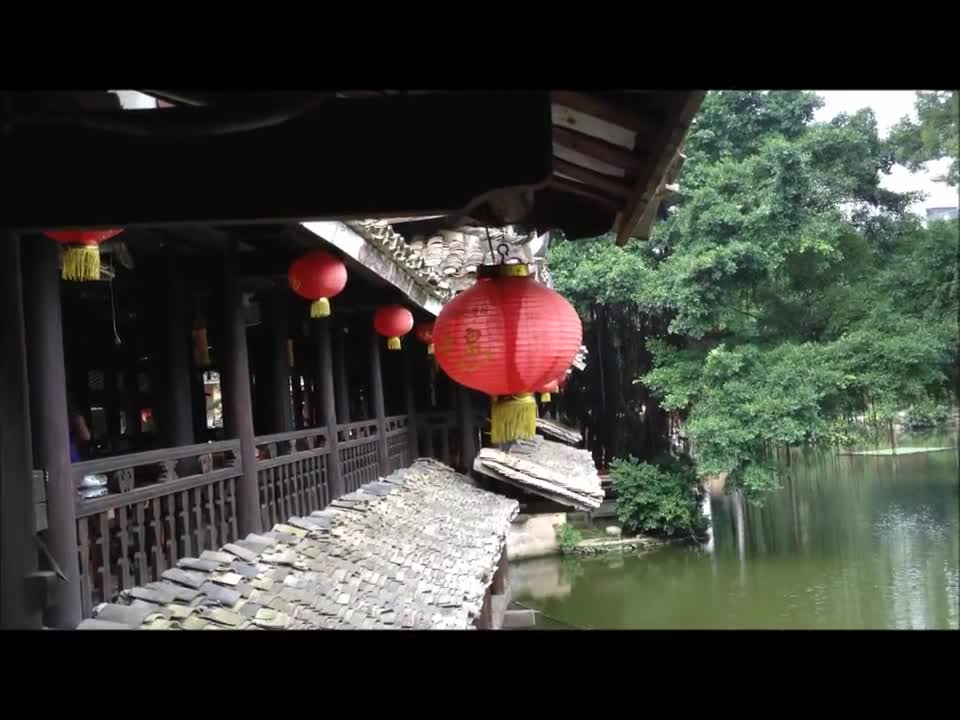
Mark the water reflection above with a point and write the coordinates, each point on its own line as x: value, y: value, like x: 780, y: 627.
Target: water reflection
x: 848, y: 542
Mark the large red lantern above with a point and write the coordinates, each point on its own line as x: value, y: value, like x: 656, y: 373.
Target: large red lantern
x: 393, y: 321
x: 318, y: 276
x: 424, y: 332
x: 507, y: 336
x: 81, y: 256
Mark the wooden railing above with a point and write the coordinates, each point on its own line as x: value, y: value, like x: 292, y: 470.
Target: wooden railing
x: 292, y: 474
x: 358, y: 453
x: 398, y: 441
x: 166, y: 504
x: 436, y: 435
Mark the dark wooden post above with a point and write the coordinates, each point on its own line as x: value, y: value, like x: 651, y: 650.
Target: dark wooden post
x: 237, y: 403
x: 468, y: 449
x: 340, y: 368
x: 51, y: 420
x: 178, y: 381
x: 278, y: 379
x: 410, y: 401
x: 376, y: 395
x: 329, y: 408
x: 18, y: 557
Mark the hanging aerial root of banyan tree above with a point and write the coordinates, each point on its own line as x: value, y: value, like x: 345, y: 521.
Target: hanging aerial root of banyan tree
x: 81, y: 263
x: 320, y: 308
x: 513, y: 417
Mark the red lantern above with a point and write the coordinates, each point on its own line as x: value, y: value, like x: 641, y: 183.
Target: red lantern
x: 318, y: 276
x: 507, y: 336
x: 393, y: 321
x: 424, y: 333
x: 81, y: 256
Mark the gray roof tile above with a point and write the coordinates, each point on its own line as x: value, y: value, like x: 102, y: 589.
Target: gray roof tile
x: 418, y: 552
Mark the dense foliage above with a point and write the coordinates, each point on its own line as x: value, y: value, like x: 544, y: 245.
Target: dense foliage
x: 933, y: 136
x: 787, y: 296
x: 659, y: 498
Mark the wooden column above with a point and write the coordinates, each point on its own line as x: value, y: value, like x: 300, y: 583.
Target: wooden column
x: 485, y: 619
x: 340, y: 370
x: 278, y: 377
x: 237, y: 403
x: 501, y: 578
x: 468, y: 446
x: 328, y: 406
x: 179, y: 384
x: 376, y: 396
x: 50, y: 420
x: 18, y: 557
x: 410, y: 400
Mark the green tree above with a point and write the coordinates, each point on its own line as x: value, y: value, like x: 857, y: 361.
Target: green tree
x: 933, y: 136
x: 787, y: 296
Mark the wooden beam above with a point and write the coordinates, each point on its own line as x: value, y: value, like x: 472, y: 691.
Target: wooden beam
x: 403, y: 155
x: 584, y: 191
x: 670, y: 139
x: 277, y: 337
x: 341, y: 375
x: 605, y: 110
x: 592, y: 178
x: 468, y: 446
x: 177, y: 350
x: 237, y: 403
x: 18, y: 557
x: 376, y: 392
x: 328, y: 406
x: 50, y: 420
x: 599, y: 149
x: 410, y: 401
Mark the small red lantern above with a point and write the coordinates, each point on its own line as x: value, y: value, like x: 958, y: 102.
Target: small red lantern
x: 393, y: 321
x: 424, y: 333
x: 507, y: 336
x: 81, y: 256
x: 318, y: 276
x: 547, y: 390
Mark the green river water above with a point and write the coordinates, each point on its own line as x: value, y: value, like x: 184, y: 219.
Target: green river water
x: 848, y: 542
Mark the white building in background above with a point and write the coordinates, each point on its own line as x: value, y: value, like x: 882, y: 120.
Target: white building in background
x: 942, y: 213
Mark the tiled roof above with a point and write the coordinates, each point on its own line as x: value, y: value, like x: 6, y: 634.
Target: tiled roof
x: 417, y: 549
x: 447, y: 262
x: 558, y: 472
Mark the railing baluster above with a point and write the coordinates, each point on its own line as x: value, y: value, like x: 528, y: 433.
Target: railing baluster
x: 232, y: 484
x: 173, y: 547
x: 198, y: 520
x: 185, y: 525
x: 159, y: 564
x: 105, y: 568
x: 212, y: 520
x: 124, y: 561
x: 86, y: 576
x: 221, y: 501
x: 143, y: 576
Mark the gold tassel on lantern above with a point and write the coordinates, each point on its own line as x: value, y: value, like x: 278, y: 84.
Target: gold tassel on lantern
x: 320, y: 308
x: 545, y: 397
x: 429, y: 348
x: 393, y: 343
x: 513, y: 417
x: 81, y: 263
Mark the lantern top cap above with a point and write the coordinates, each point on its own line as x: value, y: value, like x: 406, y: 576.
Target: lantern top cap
x: 504, y: 270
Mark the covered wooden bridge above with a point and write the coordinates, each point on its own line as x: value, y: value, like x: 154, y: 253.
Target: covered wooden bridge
x: 216, y: 408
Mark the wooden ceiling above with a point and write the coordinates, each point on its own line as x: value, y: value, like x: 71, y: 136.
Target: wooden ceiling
x: 611, y: 153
